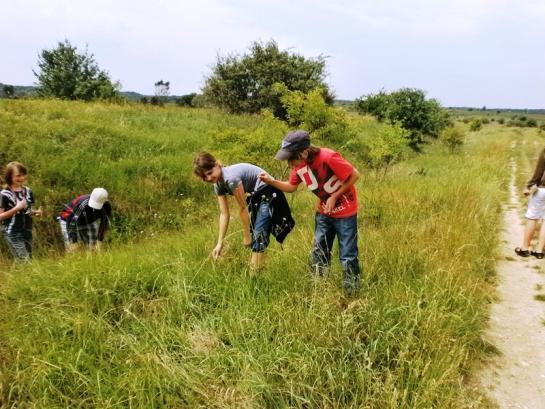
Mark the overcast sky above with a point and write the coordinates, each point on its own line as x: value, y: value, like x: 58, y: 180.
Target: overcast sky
x: 461, y: 52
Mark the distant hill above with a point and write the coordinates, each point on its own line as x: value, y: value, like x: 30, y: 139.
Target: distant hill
x: 31, y: 90
x: 20, y: 90
x: 497, y: 110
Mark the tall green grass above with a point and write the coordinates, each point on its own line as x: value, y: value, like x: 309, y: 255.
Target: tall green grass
x: 157, y: 324
x: 141, y: 155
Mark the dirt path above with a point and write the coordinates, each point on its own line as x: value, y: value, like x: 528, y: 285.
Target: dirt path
x: 516, y: 377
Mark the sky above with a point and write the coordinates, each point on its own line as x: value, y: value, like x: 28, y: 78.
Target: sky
x: 461, y: 52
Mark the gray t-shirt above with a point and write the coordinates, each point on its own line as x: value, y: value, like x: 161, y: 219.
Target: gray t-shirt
x: 234, y: 175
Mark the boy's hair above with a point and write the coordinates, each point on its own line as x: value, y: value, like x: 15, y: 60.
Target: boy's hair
x: 203, y: 163
x: 313, y: 151
x: 10, y: 171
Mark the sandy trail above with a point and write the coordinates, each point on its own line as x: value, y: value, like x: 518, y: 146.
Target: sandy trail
x: 516, y: 377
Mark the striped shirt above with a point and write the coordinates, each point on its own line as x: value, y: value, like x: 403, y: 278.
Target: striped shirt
x: 22, y: 220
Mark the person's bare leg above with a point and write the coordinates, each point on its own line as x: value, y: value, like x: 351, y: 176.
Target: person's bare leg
x: 256, y: 263
x: 529, y: 231
x: 541, y: 241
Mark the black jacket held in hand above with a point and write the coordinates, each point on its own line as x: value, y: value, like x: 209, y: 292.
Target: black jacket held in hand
x: 282, y: 222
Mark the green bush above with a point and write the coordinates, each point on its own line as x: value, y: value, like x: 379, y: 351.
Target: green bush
x: 453, y: 138
x: 475, y: 125
x: 409, y: 107
x: 312, y: 113
x: 531, y: 123
x: 378, y: 147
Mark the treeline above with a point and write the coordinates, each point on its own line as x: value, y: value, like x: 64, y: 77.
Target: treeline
x: 265, y: 79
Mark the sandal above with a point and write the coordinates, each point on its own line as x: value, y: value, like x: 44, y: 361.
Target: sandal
x: 523, y: 253
x: 537, y: 254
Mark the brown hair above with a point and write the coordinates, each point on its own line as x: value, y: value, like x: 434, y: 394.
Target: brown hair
x: 203, y: 163
x: 10, y: 171
x: 313, y: 151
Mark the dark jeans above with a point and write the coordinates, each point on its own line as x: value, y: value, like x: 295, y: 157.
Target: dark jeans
x: 346, y: 229
x: 20, y: 244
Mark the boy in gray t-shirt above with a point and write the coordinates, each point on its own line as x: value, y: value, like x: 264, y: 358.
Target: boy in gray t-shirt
x: 234, y: 175
x: 242, y: 182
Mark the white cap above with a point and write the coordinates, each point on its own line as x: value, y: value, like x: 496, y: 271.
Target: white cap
x: 99, y: 195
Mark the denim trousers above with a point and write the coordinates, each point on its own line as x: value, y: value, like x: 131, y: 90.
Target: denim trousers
x: 20, y: 244
x: 325, y: 230
x: 261, y: 228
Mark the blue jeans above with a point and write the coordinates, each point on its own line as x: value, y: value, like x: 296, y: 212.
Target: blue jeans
x: 20, y: 244
x: 346, y: 229
x: 261, y: 228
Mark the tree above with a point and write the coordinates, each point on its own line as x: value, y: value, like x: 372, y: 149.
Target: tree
x: 408, y: 107
x: 9, y: 91
x: 66, y: 74
x: 374, y: 104
x: 186, y: 100
x: 247, y: 83
x: 162, y: 90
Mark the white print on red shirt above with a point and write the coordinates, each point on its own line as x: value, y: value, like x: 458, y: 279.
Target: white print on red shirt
x: 306, y: 174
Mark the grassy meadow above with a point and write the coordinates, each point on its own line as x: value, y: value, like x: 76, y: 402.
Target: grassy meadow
x: 153, y: 322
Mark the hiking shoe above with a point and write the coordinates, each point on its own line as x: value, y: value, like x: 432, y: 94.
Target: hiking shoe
x: 351, y: 285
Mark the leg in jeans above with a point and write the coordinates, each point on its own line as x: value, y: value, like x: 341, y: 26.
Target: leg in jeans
x: 20, y: 244
x: 324, y: 235
x: 261, y: 230
x: 70, y: 238
x: 347, y: 231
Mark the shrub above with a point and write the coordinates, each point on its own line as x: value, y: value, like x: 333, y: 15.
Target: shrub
x: 475, y: 125
x: 186, y: 100
x: 453, y: 138
x: 408, y: 107
x: 312, y: 113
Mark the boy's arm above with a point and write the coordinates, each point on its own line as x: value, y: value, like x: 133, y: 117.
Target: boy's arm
x: 345, y: 186
x: 223, y: 225
x: 7, y: 214
x: 280, y: 185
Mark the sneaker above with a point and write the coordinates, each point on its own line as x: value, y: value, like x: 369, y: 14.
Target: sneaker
x: 351, y: 285
x: 319, y: 271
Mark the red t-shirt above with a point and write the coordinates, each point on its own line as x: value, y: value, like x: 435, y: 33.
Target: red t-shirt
x: 323, y: 177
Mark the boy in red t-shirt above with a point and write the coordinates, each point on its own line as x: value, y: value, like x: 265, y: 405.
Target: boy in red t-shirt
x: 331, y: 178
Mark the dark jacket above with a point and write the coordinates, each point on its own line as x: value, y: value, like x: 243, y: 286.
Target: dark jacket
x: 78, y: 213
x: 281, y: 220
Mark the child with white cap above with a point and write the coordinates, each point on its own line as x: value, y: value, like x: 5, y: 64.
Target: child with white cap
x: 86, y: 219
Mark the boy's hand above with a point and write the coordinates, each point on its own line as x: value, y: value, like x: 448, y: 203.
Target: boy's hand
x: 21, y: 204
x: 266, y: 178
x: 216, y: 252
x: 39, y: 212
x: 330, y: 204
